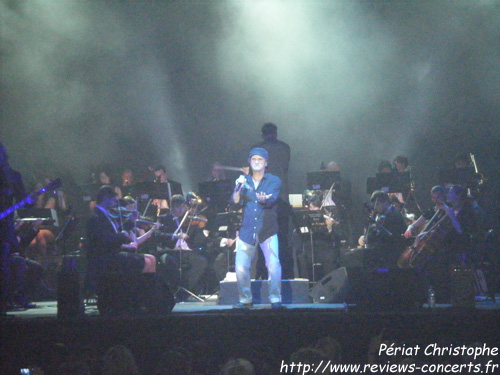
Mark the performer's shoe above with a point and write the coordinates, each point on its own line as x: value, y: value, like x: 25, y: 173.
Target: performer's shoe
x: 241, y: 305
x: 277, y: 306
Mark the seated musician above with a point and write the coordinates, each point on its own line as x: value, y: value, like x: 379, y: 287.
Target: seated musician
x: 398, y: 205
x: 216, y: 172
x: 401, y: 164
x: 129, y: 222
x: 325, y: 250
x: 127, y: 182
x: 105, y: 178
x: 448, y: 244
x: 43, y: 243
x: 167, y: 187
x: 109, y: 247
x: 102, y: 177
x: 384, y: 237
x: 438, y: 197
x: 338, y: 202
x: 184, y: 240
x: 385, y: 167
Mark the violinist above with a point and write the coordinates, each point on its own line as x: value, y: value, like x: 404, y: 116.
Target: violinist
x: 109, y: 247
x: 183, y: 243
x: 384, y: 237
x: 129, y: 217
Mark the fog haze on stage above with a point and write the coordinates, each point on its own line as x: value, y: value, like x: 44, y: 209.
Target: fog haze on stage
x: 136, y: 83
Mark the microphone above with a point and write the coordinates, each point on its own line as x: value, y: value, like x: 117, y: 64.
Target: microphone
x: 240, y: 183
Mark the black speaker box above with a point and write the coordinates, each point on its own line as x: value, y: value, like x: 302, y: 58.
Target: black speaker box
x: 383, y: 289
x: 332, y: 288
x: 70, y: 288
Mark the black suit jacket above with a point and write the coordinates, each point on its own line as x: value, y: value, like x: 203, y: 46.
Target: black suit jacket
x: 102, y: 237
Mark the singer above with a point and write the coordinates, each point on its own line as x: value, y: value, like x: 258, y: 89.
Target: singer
x: 257, y: 194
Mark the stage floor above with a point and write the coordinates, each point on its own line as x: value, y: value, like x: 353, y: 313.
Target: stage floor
x: 215, y: 332
x: 48, y: 309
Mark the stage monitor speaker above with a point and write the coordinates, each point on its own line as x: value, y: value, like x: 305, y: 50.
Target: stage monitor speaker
x: 383, y: 289
x: 332, y: 288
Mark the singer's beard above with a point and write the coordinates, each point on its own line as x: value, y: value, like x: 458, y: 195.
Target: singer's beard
x: 257, y: 167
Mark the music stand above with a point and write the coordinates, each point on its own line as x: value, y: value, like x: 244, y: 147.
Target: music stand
x: 394, y: 182
x: 40, y: 213
x: 216, y: 193
x: 457, y: 176
x: 180, y: 287
x: 146, y: 191
x: 223, y: 222
x: 66, y: 229
x: 322, y: 180
x: 310, y: 222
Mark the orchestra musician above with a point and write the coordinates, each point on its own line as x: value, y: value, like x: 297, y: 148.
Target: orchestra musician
x: 217, y: 172
x: 184, y: 242
x: 447, y: 243
x: 43, y: 243
x: 127, y: 182
x: 338, y: 201
x: 110, y: 247
x: 398, y: 205
x: 128, y: 218
x: 401, y: 164
x: 384, y: 237
x: 168, y: 188
x: 438, y: 197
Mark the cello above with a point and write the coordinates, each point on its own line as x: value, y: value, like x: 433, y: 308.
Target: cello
x: 426, y: 242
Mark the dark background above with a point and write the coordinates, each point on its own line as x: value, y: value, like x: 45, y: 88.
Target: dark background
x: 188, y: 83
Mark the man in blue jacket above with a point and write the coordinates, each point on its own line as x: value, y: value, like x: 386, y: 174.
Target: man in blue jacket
x: 257, y: 193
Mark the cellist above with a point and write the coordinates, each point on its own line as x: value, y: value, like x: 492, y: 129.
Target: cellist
x: 451, y: 241
x: 438, y: 197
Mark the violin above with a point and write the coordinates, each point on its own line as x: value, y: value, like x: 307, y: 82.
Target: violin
x: 143, y: 222
x: 116, y: 213
x: 198, y: 220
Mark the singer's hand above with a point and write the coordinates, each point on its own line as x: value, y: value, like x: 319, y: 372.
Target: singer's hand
x: 240, y: 182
